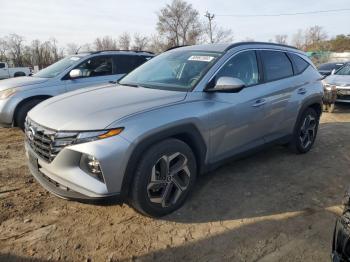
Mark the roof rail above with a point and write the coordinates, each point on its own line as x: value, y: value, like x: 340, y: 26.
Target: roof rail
x: 174, y: 47
x: 121, y: 50
x: 257, y: 43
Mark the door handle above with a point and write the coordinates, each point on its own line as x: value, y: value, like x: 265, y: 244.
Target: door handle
x: 259, y: 102
x: 302, y: 91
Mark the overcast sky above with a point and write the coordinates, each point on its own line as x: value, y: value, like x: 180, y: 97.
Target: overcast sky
x: 81, y: 21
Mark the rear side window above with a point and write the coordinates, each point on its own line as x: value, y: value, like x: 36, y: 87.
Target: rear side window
x: 125, y: 63
x: 299, y: 64
x: 142, y: 59
x: 2, y: 65
x: 276, y: 65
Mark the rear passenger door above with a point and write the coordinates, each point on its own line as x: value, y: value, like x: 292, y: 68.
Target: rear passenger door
x: 279, y: 84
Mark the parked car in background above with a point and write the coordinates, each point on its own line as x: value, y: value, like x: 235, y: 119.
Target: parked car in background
x: 176, y: 116
x: 19, y: 95
x: 341, y: 81
x: 7, y: 72
x: 327, y: 68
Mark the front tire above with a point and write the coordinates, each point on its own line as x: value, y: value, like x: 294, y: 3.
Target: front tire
x: 164, y: 178
x: 22, y: 112
x: 305, y: 132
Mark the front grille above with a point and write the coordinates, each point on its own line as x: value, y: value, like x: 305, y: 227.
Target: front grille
x: 45, y: 142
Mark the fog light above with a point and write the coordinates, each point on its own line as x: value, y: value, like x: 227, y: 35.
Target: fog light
x: 92, y: 166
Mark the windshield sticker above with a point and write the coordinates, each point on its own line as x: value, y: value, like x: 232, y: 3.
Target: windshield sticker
x: 201, y: 58
x: 75, y: 58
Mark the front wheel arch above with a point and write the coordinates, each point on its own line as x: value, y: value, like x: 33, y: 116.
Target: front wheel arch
x: 187, y: 133
x: 24, y: 101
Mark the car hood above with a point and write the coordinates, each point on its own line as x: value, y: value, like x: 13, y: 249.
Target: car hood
x: 24, y: 81
x: 96, y: 108
x: 339, y: 80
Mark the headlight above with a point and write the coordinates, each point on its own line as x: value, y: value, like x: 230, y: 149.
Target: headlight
x: 96, y: 135
x: 7, y: 93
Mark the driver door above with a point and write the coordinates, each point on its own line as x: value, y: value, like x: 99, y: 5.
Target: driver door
x: 95, y: 70
x: 239, y: 117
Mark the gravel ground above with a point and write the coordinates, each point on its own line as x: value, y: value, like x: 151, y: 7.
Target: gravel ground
x: 273, y: 206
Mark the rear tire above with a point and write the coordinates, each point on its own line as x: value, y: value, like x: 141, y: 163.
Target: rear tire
x: 164, y: 178
x: 22, y: 112
x: 305, y: 132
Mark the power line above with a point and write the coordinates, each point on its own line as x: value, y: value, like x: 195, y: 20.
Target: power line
x: 288, y: 14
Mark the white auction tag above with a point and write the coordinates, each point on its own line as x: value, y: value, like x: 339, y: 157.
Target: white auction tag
x: 201, y: 58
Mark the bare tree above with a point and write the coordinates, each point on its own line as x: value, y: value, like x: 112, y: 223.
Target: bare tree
x: 179, y: 23
x: 298, y: 39
x: 315, y: 37
x: 217, y: 34
x: 140, y: 42
x: 3, y: 50
x: 105, y: 43
x: 15, y: 44
x: 124, y: 41
x: 281, y: 39
x: 71, y: 48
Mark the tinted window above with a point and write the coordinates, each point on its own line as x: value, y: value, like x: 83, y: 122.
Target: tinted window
x: 276, y: 65
x: 97, y: 66
x: 125, y: 63
x: 142, y: 59
x: 243, y: 66
x: 2, y: 65
x: 299, y: 63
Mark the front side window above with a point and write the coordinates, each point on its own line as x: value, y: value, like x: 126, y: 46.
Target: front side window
x: 97, y: 66
x: 243, y: 66
x: 276, y: 65
x: 345, y: 70
x: 176, y: 70
x: 58, y: 67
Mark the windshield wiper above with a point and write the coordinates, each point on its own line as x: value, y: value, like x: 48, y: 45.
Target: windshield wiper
x: 132, y: 85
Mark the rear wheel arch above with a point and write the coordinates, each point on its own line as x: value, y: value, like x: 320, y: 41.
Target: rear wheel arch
x: 187, y: 133
x: 24, y: 101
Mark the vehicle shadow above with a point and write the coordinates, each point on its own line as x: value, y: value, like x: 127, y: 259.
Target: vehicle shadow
x: 15, y: 258
x: 274, y: 181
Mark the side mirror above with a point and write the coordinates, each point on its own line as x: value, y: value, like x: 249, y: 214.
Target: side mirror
x: 75, y: 73
x: 333, y: 72
x: 227, y: 84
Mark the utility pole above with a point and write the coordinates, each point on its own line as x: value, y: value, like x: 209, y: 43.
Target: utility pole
x: 210, y: 18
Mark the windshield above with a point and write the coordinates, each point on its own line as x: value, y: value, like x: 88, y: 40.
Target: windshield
x: 176, y: 70
x: 345, y: 70
x: 58, y: 67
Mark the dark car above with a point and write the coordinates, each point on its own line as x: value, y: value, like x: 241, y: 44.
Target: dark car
x: 327, y: 68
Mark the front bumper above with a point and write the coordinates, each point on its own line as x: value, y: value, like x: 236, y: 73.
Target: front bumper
x: 64, y: 177
x: 343, y: 94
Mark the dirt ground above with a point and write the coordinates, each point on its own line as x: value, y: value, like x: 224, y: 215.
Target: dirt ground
x: 273, y: 206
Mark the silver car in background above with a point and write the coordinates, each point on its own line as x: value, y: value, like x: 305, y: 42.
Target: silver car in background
x: 341, y: 81
x: 181, y: 114
x: 19, y: 95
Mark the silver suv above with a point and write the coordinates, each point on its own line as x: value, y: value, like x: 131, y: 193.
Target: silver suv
x: 19, y: 95
x: 146, y: 139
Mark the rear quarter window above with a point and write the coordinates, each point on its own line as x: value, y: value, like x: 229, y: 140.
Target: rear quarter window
x: 276, y: 65
x: 300, y: 64
x: 125, y: 63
